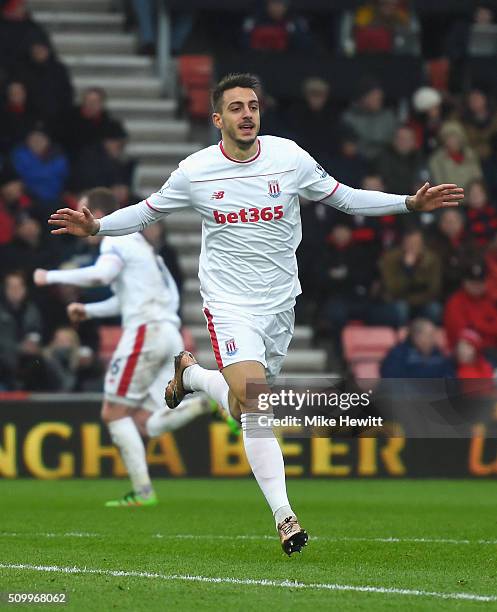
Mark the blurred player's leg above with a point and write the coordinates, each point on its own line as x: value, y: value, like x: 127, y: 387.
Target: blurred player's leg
x: 166, y: 419
x: 126, y: 437
x: 156, y: 419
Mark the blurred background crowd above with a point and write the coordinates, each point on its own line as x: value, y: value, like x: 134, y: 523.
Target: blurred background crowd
x: 431, y: 279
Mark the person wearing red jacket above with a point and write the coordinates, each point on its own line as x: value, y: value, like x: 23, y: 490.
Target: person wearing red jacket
x: 470, y: 307
x: 470, y: 361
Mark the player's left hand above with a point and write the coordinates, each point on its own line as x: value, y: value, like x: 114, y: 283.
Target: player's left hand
x: 430, y: 198
x: 40, y: 277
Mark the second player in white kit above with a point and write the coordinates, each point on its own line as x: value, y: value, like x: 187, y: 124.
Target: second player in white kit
x: 147, y: 298
x: 247, y: 190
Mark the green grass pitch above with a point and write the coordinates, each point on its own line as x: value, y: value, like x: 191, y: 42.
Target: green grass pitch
x: 421, y: 545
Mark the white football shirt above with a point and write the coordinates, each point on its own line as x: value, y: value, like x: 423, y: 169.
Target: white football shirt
x: 250, y: 219
x: 144, y: 287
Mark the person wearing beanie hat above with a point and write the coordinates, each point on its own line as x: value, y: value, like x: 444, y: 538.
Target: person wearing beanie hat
x: 470, y: 307
x: 425, y: 99
x: 470, y: 361
x: 426, y: 118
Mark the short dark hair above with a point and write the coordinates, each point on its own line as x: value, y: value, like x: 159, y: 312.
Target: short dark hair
x: 101, y: 198
x: 230, y: 81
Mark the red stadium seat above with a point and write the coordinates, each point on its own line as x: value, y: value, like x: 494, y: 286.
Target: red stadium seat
x: 362, y: 343
x: 195, y: 76
x: 109, y: 338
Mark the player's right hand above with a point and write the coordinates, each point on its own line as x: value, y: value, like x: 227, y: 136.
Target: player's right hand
x: 76, y: 312
x: 77, y: 223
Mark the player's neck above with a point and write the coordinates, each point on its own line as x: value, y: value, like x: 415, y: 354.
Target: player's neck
x: 233, y: 150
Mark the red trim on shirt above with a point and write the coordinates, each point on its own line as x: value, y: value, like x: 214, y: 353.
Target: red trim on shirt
x: 132, y: 361
x: 150, y: 206
x: 214, y: 342
x: 232, y: 178
x: 330, y: 194
x: 247, y: 161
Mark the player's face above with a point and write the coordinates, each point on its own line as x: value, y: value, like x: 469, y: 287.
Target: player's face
x: 239, y: 119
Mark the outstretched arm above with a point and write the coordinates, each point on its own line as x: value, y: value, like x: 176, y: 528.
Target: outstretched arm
x: 376, y: 203
x: 315, y: 184
x: 103, y: 272
x: 123, y: 221
x: 173, y: 195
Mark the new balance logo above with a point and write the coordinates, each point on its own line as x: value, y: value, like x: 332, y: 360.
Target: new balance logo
x: 217, y: 195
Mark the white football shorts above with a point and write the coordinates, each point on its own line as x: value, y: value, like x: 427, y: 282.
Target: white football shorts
x: 142, y: 365
x: 239, y: 337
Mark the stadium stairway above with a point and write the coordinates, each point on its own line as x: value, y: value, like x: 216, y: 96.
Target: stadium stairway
x: 89, y: 38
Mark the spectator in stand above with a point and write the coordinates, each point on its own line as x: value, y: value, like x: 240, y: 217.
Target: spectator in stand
x: 35, y: 371
x: 454, y: 161
x: 273, y: 121
x: 455, y: 247
x: 29, y: 250
x: 42, y: 166
x: 348, y: 274
x: 371, y: 121
x: 427, y: 119
x: 418, y: 356
x: 13, y: 201
x: 470, y: 360
x: 16, y: 117
x: 274, y: 28
x: 481, y: 213
x: 87, y: 124
x: 483, y: 34
x: 479, y: 120
x: 105, y: 163
x: 401, y: 164
x: 348, y: 162
x: 382, y: 26
x: 411, y: 283
x: 63, y: 352
x: 470, y: 307
x: 313, y: 120
x: 20, y: 319
x: 17, y: 29
x: 47, y: 81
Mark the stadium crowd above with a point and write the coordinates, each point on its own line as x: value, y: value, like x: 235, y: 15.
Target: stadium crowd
x: 418, y: 271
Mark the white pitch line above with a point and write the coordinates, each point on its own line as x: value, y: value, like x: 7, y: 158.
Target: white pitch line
x: 286, y: 584
x: 257, y: 538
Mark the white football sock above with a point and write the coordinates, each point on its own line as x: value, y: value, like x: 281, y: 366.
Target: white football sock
x: 126, y: 437
x: 169, y: 420
x: 266, y: 460
x: 196, y: 378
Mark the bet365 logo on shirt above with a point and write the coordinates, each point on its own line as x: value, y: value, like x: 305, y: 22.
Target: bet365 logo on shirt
x: 250, y: 215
